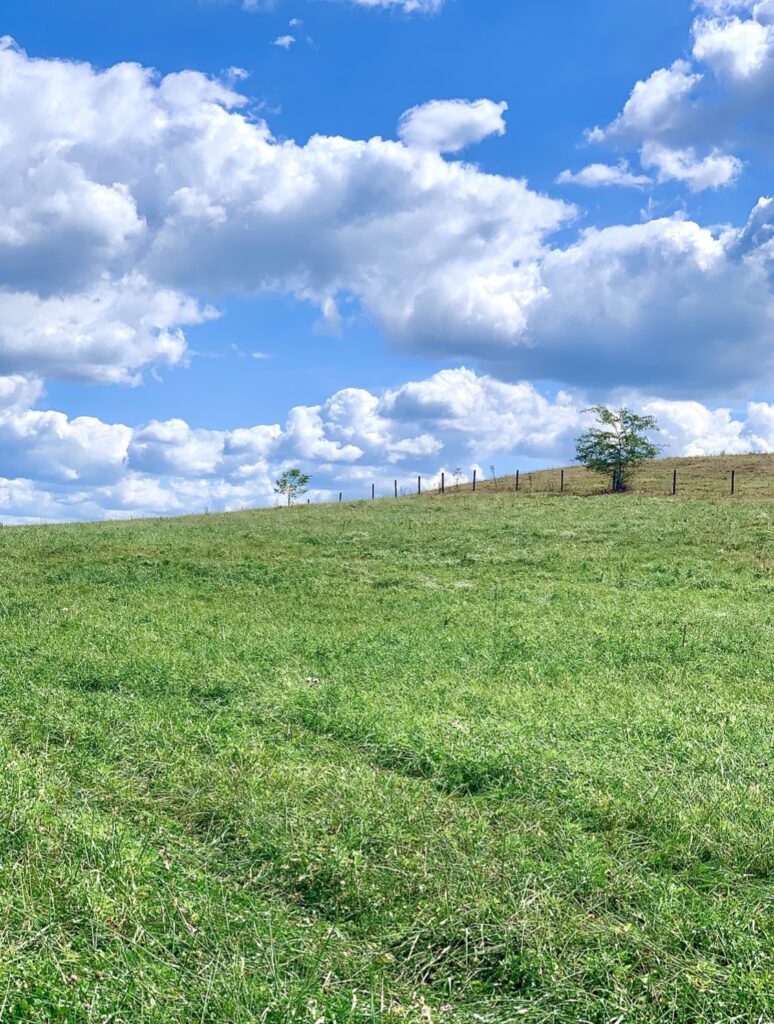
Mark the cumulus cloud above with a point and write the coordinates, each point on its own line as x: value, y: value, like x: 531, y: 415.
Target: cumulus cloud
x: 757, y: 236
x: 49, y: 447
x: 103, y: 333
x: 604, y: 175
x: 667, y: 305
x: 690, y: 428
x: 494, y: 417
x: 284, y: 42
x: 739, y: 48
x: 654, y: 105
x: 717, y: 170
x: 447, y: 126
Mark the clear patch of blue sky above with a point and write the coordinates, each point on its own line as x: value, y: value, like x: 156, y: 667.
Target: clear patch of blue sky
x: 250, y: 366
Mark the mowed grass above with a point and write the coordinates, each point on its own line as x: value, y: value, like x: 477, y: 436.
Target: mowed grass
x: 480, y: 758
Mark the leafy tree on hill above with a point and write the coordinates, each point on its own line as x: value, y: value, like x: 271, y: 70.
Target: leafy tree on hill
x: 292, y: 484
x: 617, y: 444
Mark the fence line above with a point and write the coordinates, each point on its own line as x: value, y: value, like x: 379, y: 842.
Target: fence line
x: 560, y: 481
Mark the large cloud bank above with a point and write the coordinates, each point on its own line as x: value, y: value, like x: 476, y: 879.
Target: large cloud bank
x: 131, y: 204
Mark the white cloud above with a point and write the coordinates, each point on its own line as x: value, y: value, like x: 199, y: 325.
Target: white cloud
x: 690, y: 428
x: 757, y: 236
x: 494, y: 417
x: 104, y: 333
x: 604, y: 175
x: 733, y: 46
x: 48, y: 446
x: 284, y: 42
x: 667, y: 305
x: 655, y: 104
x: 173, y: 447
x: 447, y: 126
x: 717, y: 170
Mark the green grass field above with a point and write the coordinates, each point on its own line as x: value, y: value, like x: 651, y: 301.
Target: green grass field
x: 480, y: 758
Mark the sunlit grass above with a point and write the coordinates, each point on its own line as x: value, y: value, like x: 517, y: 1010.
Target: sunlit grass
x: 482, y: 758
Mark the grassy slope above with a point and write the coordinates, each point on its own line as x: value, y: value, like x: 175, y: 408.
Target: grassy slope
x: 707, y: 477
x: 416, y: 760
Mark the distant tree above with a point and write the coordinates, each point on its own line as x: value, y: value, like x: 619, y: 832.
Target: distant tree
x: 292, y: 484
x: 617, y: 444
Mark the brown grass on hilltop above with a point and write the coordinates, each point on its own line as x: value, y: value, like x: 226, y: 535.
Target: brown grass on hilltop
x: 707, y: 477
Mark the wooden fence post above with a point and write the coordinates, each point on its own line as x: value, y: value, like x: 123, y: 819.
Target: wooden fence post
x: 373, y: 491
x: 517, y: 479
x: 674, y: 482
x: 561, y: 484
x: 475, y: 474
x: 733, y: 482
x: 396, y: 488
x: 419, y: 485
x: 341, y: 497
x: 443, y: 483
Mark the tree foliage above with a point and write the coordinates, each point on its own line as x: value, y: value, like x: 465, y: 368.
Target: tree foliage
x: 617, y: 444
x: 292, y: 484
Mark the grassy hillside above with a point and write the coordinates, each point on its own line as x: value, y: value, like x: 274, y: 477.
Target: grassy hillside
x: 482, y: 759
x: 707, y: 477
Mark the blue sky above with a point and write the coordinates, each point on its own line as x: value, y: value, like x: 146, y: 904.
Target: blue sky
x: 210, y: 276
